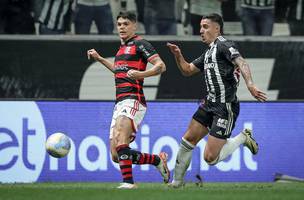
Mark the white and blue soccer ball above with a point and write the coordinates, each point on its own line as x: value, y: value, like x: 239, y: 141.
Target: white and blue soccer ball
x: 58, y: 145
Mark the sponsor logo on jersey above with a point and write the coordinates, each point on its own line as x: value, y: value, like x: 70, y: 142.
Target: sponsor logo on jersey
x: 222, y: 123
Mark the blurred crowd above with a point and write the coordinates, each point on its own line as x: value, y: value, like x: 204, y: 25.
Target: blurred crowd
x: 157, y: 17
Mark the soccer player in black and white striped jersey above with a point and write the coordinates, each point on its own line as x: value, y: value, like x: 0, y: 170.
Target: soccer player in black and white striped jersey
x: 220, y: 64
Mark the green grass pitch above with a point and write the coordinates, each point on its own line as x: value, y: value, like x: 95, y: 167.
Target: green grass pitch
x: 153, y: 191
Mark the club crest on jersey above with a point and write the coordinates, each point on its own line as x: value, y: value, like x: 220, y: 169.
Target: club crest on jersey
x: 127, y: 50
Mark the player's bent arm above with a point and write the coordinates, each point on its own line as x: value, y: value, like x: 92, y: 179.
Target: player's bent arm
x: 107, y: 63
x: 158, y: 67
x: 187, y: 69
x: 92, y: 53
x: 255, y: 91
x: 245, y: 70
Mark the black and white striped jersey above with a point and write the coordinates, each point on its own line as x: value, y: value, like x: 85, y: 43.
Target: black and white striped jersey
x: 221, y: 76
x: 296, y: 9
x: 56, y: 14
x: 258, y: 4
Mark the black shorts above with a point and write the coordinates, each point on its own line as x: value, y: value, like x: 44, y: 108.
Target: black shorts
x: 218, y: 117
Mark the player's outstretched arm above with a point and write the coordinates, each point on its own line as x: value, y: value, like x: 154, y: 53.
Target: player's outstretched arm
x: 245, y: 70
x: 158, y: 68
x: 92, y: 53
x: 187, y: 69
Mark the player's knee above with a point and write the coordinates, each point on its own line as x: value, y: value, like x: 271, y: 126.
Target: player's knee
x: 114, y: 158
x: 191, y: 139
x: 210, y: 159
x: 117, y: 134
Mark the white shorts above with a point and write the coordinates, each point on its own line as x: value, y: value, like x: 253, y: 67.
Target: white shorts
x: 132, y: 109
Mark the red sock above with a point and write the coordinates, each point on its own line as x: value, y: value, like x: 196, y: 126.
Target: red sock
x: 140, y: 158
x: 146, y: 158
x: 125, y: 163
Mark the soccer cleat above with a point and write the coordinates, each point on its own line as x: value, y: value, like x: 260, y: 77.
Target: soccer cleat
x: 176, y: 184
x: 250, y: 143
x: 127, y: 186
x: 162, y: 167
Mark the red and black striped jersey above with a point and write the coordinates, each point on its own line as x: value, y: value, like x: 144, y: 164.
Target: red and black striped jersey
x: 133, y: 54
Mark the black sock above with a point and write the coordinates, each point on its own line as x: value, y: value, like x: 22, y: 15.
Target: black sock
x: 144, y: 158
x: 125, y: 163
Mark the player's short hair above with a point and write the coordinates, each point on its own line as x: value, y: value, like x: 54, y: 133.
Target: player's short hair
x: 127, y: 15
x: 214, y: 17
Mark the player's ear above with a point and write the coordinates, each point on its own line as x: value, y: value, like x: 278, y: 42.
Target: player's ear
x: 135, y: 26
x: 218, y: 28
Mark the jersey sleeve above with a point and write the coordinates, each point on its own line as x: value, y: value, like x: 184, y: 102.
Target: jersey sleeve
x: 229, y: 50
x: 199, y: 62
x: 147, y: 50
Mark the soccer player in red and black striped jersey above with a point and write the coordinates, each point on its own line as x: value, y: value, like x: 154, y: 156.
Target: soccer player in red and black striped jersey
x: 130, y: 70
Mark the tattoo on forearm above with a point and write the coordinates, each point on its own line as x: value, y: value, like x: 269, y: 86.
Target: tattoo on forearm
x: 158, y: 69
x: 246, y: 71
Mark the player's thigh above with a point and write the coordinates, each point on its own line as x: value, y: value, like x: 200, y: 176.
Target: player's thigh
x: 127, y: 116
x: 135, y: 112
x: 198, y: 127
x: 225, y: 115
x: 213, y: 147
x: 195, y: 132
x: 123, y: 130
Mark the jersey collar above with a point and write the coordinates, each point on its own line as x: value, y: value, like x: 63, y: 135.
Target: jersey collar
x: 216, y: 39
x: 129, y: 40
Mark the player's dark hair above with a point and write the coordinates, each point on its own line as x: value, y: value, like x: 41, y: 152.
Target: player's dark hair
x: 127, y: 15
x: 214, y: 17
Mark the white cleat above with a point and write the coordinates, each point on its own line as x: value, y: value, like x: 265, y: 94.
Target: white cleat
x: 127, y: 186
x: 250, y: 143
x: 163, y: 168
x: 176, y: 184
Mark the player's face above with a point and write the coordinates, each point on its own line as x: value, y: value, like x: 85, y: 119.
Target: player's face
x: 126, y: 28
x: 209, y: 31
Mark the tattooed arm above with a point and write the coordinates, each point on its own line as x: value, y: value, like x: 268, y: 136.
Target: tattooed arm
x: 158, y: 68
x: 245, y: 70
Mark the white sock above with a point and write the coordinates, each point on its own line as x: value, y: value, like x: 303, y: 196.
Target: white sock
x: 183, y: 160
x: 231, y: 145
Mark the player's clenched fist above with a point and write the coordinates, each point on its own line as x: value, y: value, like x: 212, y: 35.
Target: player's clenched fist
x: 92, y: 53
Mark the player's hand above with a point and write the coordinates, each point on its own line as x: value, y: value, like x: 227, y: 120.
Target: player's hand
x: 174, y: 48
x: 257, y: 93
x: 134, y: 74
x: 92, y: 53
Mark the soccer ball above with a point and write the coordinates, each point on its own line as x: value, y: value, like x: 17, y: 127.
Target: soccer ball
x: 58, y: 145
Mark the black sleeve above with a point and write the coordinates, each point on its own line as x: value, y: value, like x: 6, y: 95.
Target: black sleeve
x: 199, y: 62
x: 146, y: 49
x: 229, y: 50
